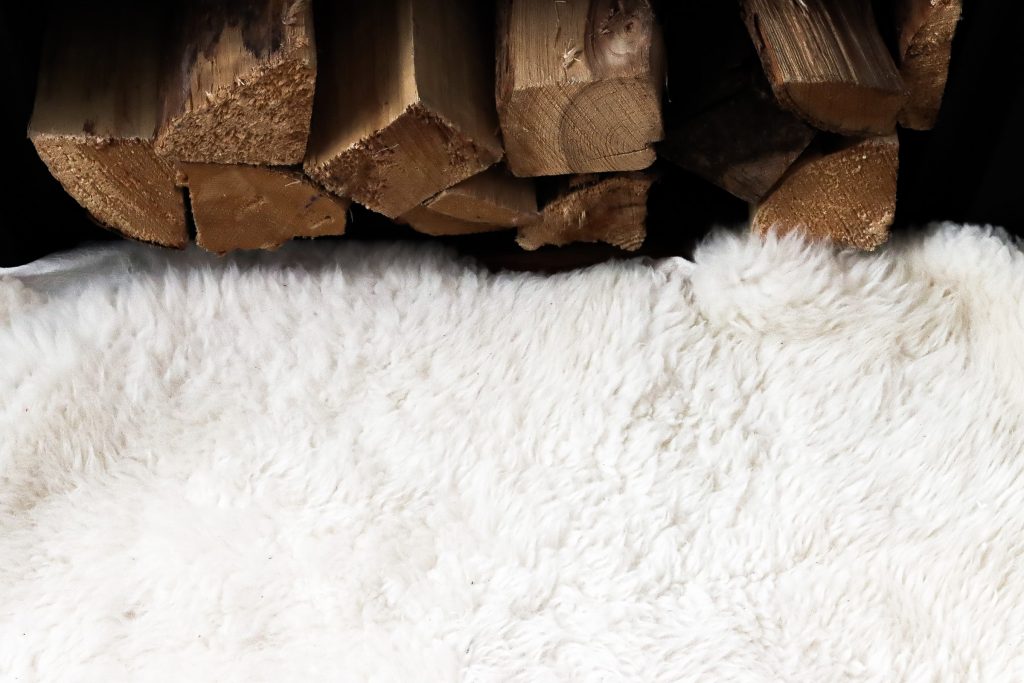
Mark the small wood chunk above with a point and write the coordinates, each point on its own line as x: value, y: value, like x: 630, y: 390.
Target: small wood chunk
x: 926, y: 36
x: 429, y: 222
x: 404, y: 105
x: 240, y: 88
x: 743, y: 144
x: 579, y: 85
x: 494, y: 197
x: 255, y: 207
x: 828, y: 63
x: 95, y: 116
x: 847, y: 195
x: 610, y: 209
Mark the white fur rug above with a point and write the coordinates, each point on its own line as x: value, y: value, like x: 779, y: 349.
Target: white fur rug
x: 383, y: 463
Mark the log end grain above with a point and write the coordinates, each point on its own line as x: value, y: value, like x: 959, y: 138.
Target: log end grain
x: 123, y: 184
x: 261, y: 120
x: 252, y: 207
x: 847, y: 195
x: 610, y: 209
x: 404, y: 163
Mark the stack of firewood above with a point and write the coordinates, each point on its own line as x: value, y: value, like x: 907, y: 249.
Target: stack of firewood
x: 237, y: 117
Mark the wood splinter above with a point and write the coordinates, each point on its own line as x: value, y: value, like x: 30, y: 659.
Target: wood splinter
x: 846, y: 194
x: 592, y: 208
x: 828, y: 63
x: 254, y: 207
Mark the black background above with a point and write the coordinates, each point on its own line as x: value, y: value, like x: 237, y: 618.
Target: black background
x: 967, y: 169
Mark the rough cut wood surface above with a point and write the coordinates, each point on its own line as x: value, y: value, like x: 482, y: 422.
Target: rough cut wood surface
x: 239, y: 82
x: 95, y: 116
x: 255, y: 207
x: 827, y: 63
x: 926, y: 36
x: 592, y: 208
x: 579, y: 85
x: 429, y: 222
x: 847, y: 194
x: 743, y: 143
x: 404, y: 105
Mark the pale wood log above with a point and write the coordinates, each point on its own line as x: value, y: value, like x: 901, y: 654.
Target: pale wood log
x: 95, y: 115
x: 255, y: 207
x: 846, y: 194
x: 610, y: 209
x: 579, y: 85
x: 239, y: 82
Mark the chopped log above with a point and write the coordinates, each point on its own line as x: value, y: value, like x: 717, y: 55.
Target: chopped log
x: 847, y: 194
x: 423, y: 219
x: 255, y: 207
x: 95, y: 116
x: 404, y: 105
x: 743, y: 144
x: 494, y: 197
x: 240, y: 85
x: 610, y: 209
x: 828, y: 63
x: 926, y: 29
x: 487, y: 202
x: 579, y: 85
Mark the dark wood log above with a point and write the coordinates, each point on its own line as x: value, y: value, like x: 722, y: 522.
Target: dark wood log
x: 926, y: 29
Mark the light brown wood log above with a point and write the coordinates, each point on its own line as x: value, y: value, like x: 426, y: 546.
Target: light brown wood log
x: 256, y: 207
x: 239, y: 82
x: 579, y: 85
x: 926, y: 29
x: 592, y: 208
x: 404, y: 105
x: 487, y: 202
x: 95, y: 116
x: 494, y: 196
x: 846, y: 194
x: 827, y: 63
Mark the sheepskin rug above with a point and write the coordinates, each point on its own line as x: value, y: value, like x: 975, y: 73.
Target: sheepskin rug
x: 349, y: 463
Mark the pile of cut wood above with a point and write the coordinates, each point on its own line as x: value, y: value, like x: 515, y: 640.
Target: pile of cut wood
x: 262, y: 120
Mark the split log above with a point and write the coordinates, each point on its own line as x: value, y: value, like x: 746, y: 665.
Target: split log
x: 828, y: 63
x: 743, y: 143
x: 240, y: 85
x: 95, y: 116
x: 254, y: 207
x: 487, y: 202
x: 846, y: 194
x: 610, y: 209
x: 404, y: 105
x: 579, y: 85
x: 423, y: 219
x: 926, y: 29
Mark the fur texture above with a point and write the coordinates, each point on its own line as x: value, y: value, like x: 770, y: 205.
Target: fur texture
x: 356, y: 463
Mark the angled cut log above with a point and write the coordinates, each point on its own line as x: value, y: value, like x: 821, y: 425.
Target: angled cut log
x: 846, y: 194
x: 827, y: 63
x: 592, y: 208
x: 96, y: 114
x: 926, y: 29
x: 489, y: 201
x: 254, y: 207
x: 239, y: 82
x: 404, y: 105
x: 579, y: 85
